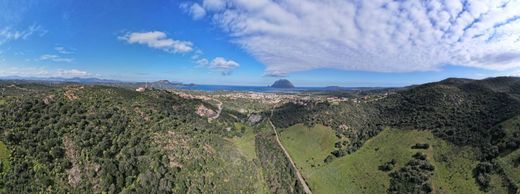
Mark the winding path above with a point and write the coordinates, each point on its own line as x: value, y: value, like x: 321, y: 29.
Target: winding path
x: 306, y: 188
x: 219, y: 106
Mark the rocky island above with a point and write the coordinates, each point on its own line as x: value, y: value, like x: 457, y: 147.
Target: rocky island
x: 282, y: 83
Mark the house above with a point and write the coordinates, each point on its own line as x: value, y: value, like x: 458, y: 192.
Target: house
x: 140, y: 89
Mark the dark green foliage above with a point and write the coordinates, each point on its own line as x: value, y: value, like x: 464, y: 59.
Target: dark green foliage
x: 512, y: 142
x: 387, y: 166
x: 355, y: 122
x: 483, y: 173
x: 278, y: 172
x: 465, y: 112
x: 103, y: 140
x: 462, y: 111
x: 517, y: 162
x: 414, y: 177
x: 329, y: 159
x: 421, y: 146
x: 419, y: 156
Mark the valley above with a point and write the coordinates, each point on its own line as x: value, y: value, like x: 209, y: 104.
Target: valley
x: 259, y: 97
x: 93, y: 138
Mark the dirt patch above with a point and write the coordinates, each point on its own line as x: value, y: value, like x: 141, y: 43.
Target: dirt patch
x: 254, y: 118
x: 142, y: 114
x: 209, y: 149
x: 48, y: 99
x: 74, y: 174
x: 175, y: 143
x: 203, y: 111
x: 70, y: 92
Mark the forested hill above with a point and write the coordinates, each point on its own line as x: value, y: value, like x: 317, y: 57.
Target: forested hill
x: 466, y: 112
x: 71, y: 138
x: 93, y: 139
x: 463, y: 111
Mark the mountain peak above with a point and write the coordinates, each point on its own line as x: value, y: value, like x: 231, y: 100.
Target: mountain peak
x: 163, y: 82
x: 282, y: 83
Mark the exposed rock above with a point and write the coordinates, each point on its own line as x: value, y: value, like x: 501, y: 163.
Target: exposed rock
x: 48, y: 99
x: 282, y: 83
x: 74, y: 174
x: 254, y: 118
x: 203, y: 111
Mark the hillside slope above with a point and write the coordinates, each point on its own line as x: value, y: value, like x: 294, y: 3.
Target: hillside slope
x: 462, y: 111
x: 93, y: 139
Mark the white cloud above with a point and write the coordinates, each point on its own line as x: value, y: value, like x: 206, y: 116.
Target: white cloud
x: 515, y: 73
x: 158, y: 40
x: 72, y: 73
x: 214, y: 5
x: 42, y: 72
x: 9, y: 34
x: 197, y: 12
x: 202, y: 62
x: 63, y: 50
x: 55, y: 58
x: 378, y: 35
x: 222, y: 63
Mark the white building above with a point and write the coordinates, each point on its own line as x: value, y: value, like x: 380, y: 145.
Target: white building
x: 140, y: 89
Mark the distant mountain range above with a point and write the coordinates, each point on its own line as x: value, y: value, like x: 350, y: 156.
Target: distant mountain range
x: 62, y: 79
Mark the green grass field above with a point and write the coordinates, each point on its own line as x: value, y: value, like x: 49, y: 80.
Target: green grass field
x: 509, y: 125
x: 507, y: 164
x: 308, y: 146
x: 358, y: 172
x: 246, y: 143
x: 4, y: 156
x: 246, y: 147
x: 2, y: 101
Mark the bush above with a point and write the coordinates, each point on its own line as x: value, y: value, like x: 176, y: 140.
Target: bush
x: 329, y: 159
x: 421, y: 146
x: 387, y: 166
x: 419, y: 156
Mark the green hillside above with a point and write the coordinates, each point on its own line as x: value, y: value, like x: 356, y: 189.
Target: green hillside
x: 452, y: 136
x: 464, y: 112
x: 309, y: 146
x: 4, y: 157
x: 359, y: 173
x: 92, y: 139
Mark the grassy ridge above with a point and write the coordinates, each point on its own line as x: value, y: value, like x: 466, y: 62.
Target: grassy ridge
x: 508, y: 165
x: 358, y: 172
x: 310, y: 146
x: 4, y: 157
x: 245, y: 145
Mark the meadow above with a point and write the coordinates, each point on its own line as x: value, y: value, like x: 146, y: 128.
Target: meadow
x: 245, y: 145
x: 359, y: 173
x: 4, y: 157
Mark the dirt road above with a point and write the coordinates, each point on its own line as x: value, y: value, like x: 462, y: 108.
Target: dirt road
x: 306, y: 188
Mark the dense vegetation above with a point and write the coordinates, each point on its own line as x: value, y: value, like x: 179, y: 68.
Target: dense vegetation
x: 464, y: 112
x: 414, y: 177
x: 279, y: 173
x: 461, y: 111
x: 67, y: 138
x: 354, y: 123
x: 93, y: 139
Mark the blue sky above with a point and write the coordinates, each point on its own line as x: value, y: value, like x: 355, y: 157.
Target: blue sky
x: 239, y: 42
